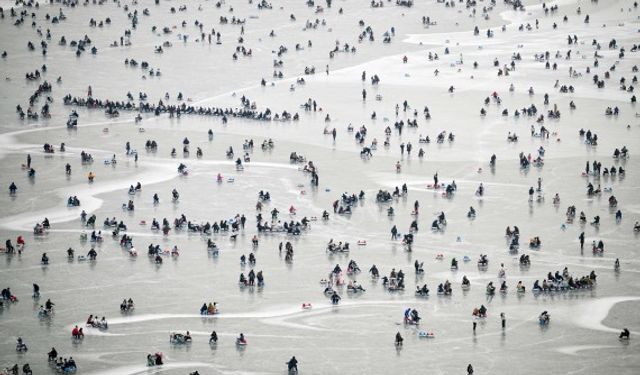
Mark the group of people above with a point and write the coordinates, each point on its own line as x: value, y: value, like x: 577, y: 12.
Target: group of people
x: 344, y: 206
x: 154, y: 359
x: 73, y: 201
x: 7, y: 295
x: 210, y: 309
x: 46, y: 310
x: 411, y: 316
x: 127, y: 305
x: 179, y: 338
x: 252, y: 278
x: 77, y: 333
x: 95, y: 322
x: 565, y: 281
x: 64, y: 365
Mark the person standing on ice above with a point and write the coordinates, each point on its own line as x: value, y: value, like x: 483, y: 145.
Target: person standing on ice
x: 399, y: 339
x: 292, y: 365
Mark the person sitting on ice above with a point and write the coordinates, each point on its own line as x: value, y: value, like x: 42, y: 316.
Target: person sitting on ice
x: 624, y: 334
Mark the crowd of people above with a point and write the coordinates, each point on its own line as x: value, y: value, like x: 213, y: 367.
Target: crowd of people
x: 406, y: 228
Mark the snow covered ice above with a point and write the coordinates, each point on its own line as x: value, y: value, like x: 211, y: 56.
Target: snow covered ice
x: 356, y: 335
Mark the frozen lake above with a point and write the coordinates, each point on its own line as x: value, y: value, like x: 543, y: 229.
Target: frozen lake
x: 356, y: 335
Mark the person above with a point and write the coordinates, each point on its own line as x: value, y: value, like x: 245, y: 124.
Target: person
x: 465, y: 280
x: 9, y: 247
x: 53, y: 354
x: 483, y: 311
x: 20, y: 345
x: 158, y: 359
x: 503, y: 318
x: 414, y: 316
x: 544, y: 317
x: 374, y: 271
x: 335, y: 298
x: 292, y: 365
x: 454, y: 265
x: 469, y: 369
x: 616, y: 265
x: 418, y: 267
x: 36, y: 290
x: 399, y: 339
x: 241, y: 339
x: 624, y: 334
x: 92, y: 254
x: 213, y: 339
x: 20, y: 242
x: 472, y: 212
x: 26, y: 369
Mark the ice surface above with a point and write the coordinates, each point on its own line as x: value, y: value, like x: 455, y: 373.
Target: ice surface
x: 356, y: 336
